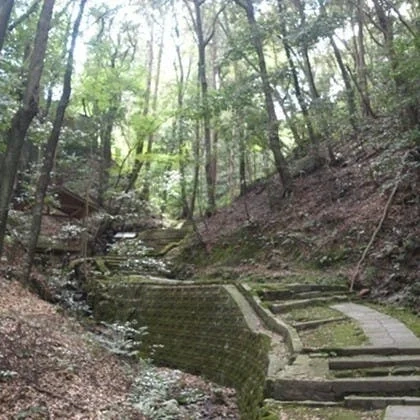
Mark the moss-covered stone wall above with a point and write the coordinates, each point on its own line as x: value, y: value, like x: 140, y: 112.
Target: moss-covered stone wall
x: 199, y: 329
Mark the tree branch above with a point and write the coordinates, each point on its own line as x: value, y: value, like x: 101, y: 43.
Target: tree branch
x: 25, y: 16
x: 213, y: 26
x: 356, y: 274
x: 400, y: 17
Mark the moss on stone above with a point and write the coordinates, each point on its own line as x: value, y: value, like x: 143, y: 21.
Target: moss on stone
x: 196, y: 328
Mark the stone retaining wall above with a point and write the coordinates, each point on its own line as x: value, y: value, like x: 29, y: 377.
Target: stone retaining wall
x: 199, y: 329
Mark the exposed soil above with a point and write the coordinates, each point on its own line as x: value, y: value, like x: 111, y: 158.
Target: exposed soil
x: 329, y: 219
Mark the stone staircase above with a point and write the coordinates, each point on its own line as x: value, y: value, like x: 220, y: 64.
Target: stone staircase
x: 384, y: 372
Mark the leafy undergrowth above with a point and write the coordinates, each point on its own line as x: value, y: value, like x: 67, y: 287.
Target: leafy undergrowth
x: 50, y: 367
x: 276, y: 411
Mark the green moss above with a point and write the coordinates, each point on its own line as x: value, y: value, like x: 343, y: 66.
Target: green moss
x: 240, y: 246
x: 167, y: 248
x: 196, y: 328
x: 311, y: 313
x: 337, y: 334
x: 321, y: 413
x: 409, y: 318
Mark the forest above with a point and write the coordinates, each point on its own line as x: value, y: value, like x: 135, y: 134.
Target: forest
x: 281, y: 135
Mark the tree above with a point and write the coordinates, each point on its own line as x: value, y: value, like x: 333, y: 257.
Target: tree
x: 313, y: 138
x: 360, y: 58
x: 23, y: 117
x: 273, y: 124
x: 51, y: 147
x: 141, y: 133
x: 203, y: 41
x: 5, y: 12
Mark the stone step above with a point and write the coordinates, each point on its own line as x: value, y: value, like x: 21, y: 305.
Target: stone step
x: 377, y: 371
x: 401, y: 412
x: 306, y: 403
x: 364, y: 362
x: 361, y: 350
x: 280, y: 307
x: 336, y: 389
x: 302, y: 290
x: 306, y: 325
x: 376, y: 403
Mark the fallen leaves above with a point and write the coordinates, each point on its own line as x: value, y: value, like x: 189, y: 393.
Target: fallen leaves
x: 50, y: 368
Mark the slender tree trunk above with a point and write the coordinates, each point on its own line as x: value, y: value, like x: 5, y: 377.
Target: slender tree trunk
x: 138, y: 161
x: 5, y: 12
x: 242, y: 158
x: 146, y: 186
x: 30, y: 11
x: 50, y: 149
x: 361, y: 62
x: 305, y: 52
x: 179, y: 129
x: 215, y: 77
x: 202, y: 43
x: 24, y: 116
x: 351, y: 103
x: 313, y: 138
x: 273, y: 124
x: 350, y: 97
x: 106, y: 151
x: 289, y: 120
x: 196, y: 176
x: 409, y: 112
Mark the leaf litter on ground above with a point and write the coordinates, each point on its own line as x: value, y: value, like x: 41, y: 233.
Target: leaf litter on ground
x: 50, y: 367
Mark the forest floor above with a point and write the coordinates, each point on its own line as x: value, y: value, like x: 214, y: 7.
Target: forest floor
x: 326, y: 224
x: 51, y: 367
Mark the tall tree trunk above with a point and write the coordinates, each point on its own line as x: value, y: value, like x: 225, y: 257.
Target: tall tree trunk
x: 106, y: 151
x: 361, y: 62
x: 138, y: 161
x: 289, y: 119
x: 5, y: 12
x: 242, y: 156
x: 305, y: 52
x: 273, y: 124
x: 351, y: 103
x: 22, y: 119
x: 146, y: 186
x: 313, y: 138
x: 202, y: 44
x: 196, y: 176
x: 409, y: 112
x: 179, y: 128
x: 51, y: 147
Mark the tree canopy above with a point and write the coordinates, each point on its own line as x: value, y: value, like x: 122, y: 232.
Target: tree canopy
x: 186, y: 102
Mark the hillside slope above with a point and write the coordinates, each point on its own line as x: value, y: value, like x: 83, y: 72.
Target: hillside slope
x: 324, y: 227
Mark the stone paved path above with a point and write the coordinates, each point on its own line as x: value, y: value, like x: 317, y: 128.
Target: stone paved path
x: 380, y: 329
x: 402, y: 412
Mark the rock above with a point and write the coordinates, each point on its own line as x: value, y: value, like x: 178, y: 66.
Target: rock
x: 364, y: 292
x: 171, y: 407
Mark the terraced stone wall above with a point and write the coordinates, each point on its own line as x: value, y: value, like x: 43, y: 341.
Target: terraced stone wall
x: 199, y: 329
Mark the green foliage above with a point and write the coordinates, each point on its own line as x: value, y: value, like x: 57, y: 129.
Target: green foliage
x: 137, y: 258
x: 123, y: 339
